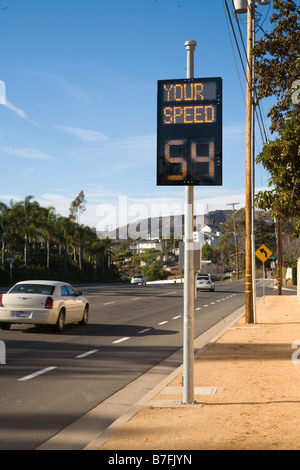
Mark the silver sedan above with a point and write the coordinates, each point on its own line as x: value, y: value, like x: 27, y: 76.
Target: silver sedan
x: 43, y: 303
x: 205, y: 283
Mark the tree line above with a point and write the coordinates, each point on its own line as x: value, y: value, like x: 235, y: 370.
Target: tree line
x: 40, y: 240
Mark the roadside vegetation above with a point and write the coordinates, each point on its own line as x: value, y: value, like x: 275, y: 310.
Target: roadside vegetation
x: 38, y: 243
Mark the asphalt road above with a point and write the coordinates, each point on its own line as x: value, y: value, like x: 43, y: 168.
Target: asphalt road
x: 50, y: 380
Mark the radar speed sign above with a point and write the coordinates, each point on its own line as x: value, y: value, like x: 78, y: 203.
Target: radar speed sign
x: 189, y: 132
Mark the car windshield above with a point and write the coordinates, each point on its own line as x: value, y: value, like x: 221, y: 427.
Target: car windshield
x: 139, y: 275
x: 203, y: 278
x: 32, y: 289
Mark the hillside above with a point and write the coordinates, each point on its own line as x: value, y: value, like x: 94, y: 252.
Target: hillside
x: 164, y: 226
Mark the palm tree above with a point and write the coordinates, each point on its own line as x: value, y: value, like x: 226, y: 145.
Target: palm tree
x: 23, y: 220
x: 98, y: 248
x: 84, y: 236
x: 28, y: 217
x: 48, y: 229
x: 65, y: 231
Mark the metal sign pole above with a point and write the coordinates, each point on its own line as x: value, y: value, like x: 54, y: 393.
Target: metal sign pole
x: 188, y: 314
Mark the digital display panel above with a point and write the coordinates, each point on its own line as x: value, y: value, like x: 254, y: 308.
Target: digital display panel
x: 189, y: 132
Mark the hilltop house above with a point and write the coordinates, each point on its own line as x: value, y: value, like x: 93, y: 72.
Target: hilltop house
x: 211, y: 234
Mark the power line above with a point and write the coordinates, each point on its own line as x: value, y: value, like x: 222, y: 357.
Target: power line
x: 235, y: 38
x: 259, y: 116
x: 234, y: 54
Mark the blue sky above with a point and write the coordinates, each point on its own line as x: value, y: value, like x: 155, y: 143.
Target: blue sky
x: 80, y: 113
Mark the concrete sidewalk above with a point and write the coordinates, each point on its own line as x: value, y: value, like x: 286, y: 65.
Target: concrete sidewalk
x: 247, y: 392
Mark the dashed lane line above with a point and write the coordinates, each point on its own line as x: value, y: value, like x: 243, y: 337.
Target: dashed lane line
x: 35, y: 374
x: 166, y: 293
x: 144, y: 331
x: 121, y: 340
x: 88, y: 353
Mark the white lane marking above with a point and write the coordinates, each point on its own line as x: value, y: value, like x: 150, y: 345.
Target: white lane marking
x: 121, y: 339
x: 212, y: 303
x: 136, y: 298
x: 167, y: 293
x: 108, y: 303
x: 175, y: 318
x: 144, y: 330
x: 163, y: 322
x: 198, y: 308
x: 35, y: 374
x: 80, y: 356
x: 205, y: 305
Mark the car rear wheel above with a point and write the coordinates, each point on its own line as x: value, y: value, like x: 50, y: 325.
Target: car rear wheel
x: 5, y: 326
x: 59, y: 325
x: 85, y: 316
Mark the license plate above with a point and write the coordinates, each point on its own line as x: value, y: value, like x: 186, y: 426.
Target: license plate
x: 21, y: 314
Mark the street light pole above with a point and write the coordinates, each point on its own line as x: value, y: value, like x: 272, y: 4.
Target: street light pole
x: 188, y: 293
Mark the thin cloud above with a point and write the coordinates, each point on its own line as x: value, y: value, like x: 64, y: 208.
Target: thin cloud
x: 84, y: 134
x: 28, y: 153
x: 18, y: 111
x: 235, y: 132
x: 62, y: 83
x: 5, y: 102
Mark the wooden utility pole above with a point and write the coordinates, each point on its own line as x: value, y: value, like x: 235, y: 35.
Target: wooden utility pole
x: 248, y: 209
x: 235, y: 238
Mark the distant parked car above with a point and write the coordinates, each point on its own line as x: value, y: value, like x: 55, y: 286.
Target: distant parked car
x: 138, y: 279
x: 205, y: 283
x: 43, y: 303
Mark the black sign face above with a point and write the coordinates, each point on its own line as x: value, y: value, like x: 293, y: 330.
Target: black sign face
x: 189, y: 132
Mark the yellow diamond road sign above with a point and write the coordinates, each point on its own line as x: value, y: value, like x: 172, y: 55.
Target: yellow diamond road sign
x: 263, y: 253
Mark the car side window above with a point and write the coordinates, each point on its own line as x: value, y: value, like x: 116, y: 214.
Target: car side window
x: 64, y: 290
x: 71, y: 291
